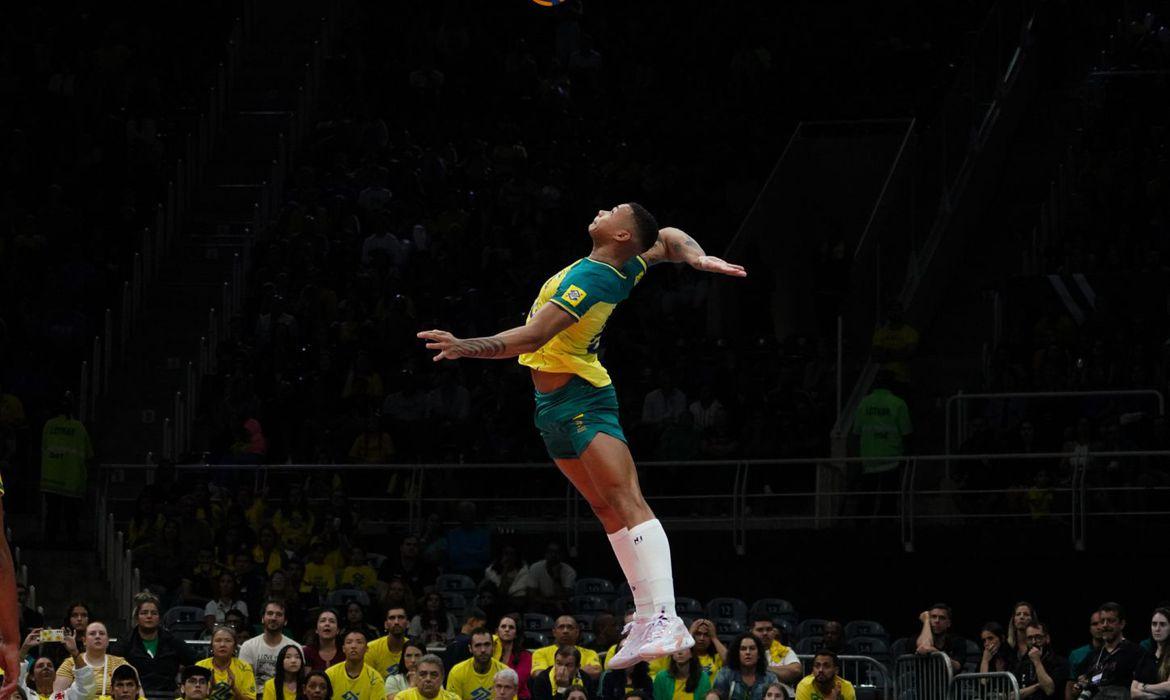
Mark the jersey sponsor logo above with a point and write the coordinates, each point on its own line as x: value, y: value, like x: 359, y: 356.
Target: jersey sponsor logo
x: 574, y: 295
x: 481, y: 694
x: 350, y: 695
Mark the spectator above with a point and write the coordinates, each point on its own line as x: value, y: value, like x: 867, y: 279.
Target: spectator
x: 469, y: 546
x: 29, y: 617
x: 824, y: 683
x: 1078, y: 655
x: 745, y: 674
x: 707, y: 411
x: 320, y: 576
x: 40, y: 673
x: 550, y: 581
x: 683, y: 677
x: 566, y: 633
x: 77, y: 617
x: 358, y: 573
x: 617, y: 684
x: 225, y: 600
x: 404, y: 677
x: 459, y: 649
x: 782, y: 661
x: 202, y: 580
x: 509, y: 574
x: 833, y: 637
x: 1114, y: 663
x: 1041, y: 673
x: 433, y: 625
x: 261, y: 652
x: 317, y: 686
x: 883, y: 424
x: 196, y: 684
x: 355, y: 618
x: 267, y: 553
x: 776, y: 691
x: 997, y: 655
x: 1023, y: 614
x: 428, y: 679
x: 372, y: 446
x: 505, y: 686
x: 290, y: 674
x: 474, y: 678
x: 324, y: 651
x: 562, y: 675
x: 231, y: 678
x: 385, y: 653
x: 354, y: 679
x: 97, y: 641
x: 664, y: 403
x: 155, y: 653
x: 895, y: 343
x: 936, y: 636
x: 1152, y: 677
x: 509, y: 648
x: 65, y: 455
x: 415, y: 571
x: 708, y: 651
x: 125, y: 686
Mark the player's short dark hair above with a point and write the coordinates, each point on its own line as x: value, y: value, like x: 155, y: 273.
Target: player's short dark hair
x: 645, y: 226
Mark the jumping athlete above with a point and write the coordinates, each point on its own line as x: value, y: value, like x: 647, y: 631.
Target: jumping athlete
x: 577, y: 408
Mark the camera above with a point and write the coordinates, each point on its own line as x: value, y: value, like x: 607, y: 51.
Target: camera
x: 52, y: 636
x: 1086, y: 690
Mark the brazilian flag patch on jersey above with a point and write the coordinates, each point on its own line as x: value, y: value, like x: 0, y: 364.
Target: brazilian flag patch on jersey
x: 574, y: 294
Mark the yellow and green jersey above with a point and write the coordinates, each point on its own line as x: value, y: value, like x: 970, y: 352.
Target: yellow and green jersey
x: 464, y: 681
x: 588, y: 290
x: 384, y: 660
x: 367, y: 686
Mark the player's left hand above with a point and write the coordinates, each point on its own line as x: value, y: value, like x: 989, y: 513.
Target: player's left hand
x: 444, y: 342
x: 710, y: 263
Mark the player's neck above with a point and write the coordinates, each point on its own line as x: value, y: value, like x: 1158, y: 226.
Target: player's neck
x: 353, y: 667
x: 610, y: 256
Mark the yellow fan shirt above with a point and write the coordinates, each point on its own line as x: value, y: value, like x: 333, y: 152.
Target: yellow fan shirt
x: 367, y: 686
x: 464, y: 681
x: 221, y: 686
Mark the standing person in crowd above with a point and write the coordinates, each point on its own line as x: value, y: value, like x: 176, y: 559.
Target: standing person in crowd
x: 745, y: 674
x: 683, y: 678
x: 473, y: 678
x: 1152, y: 677
x: 566, y: 632
x: 385, y: 653
x: 154, y: 652
x: 225, y: 600
x: 353, y: 679
x: 97, y: 642
x: 617, y: 683
x: 824, y: 683
x: 289, y: 677
x: 505, y: 686
x: 782, y: 661
x: 508, y: 647
x: 196, y: 683
x: 1114, y: 663
x: 260, y: 652
x: 708, y: 650
x: 404, y: 676
x: 997, y: 653
x: 883, y: 426
x: 317, y: 686
x: 509, y: 574
x: 1023, y: 614
x: 428, y: 682
x: 66, y: 452
x: 231, y: 678
x: 936, y: 636
x: 577, y: 407
x: 1041, y: 674
x: 1078, y: 655
x: 564, y: 674
x: 323, y: 651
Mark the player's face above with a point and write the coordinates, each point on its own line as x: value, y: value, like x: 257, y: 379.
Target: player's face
x: 609, y: 220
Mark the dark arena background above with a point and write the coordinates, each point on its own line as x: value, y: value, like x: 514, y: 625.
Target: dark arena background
x: 942, y: 381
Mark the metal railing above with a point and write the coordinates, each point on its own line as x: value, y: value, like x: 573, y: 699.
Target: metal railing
x: 984, y: 686
x: 864, y: 672
x: 922, y: 677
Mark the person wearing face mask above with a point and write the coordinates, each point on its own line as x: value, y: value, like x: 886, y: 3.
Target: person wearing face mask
x: 97, y: 641
x: 1152, y: 677
x: 1041, y: 674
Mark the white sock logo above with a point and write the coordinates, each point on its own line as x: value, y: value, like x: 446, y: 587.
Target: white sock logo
x: 638, y: 539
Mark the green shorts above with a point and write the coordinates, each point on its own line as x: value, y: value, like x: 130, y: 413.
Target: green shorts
x: 570, y: 417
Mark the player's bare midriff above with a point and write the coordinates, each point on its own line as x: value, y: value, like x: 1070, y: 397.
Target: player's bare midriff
x: 550, y: 381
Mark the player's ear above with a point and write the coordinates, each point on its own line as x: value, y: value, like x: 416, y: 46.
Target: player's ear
x: 623, y: 235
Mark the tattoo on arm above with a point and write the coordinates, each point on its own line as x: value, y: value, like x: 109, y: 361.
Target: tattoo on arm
x: 482, y: 347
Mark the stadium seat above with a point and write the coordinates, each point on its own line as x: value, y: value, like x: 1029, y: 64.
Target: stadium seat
x: 595, y: 586
x: 729, y: 626
x: 344, y: 596
x: 457, y: 583
x: 868, y: 646
x: 622, y: 605
x: 588, y: 604
x: 587, y: 639
x: 536, y: 622
x: 774, y: 608
x: 689, y: 607
x: 787, y: 629
x: 184, y: 630
x: 812, y: 627
x: 182, y: 613
x: 624, y: 589
x: 376, y: 560
x: 866, y: 628
x: 728, y: 608
x: 454, y: 602
x: 536, y: 640
x: 585, y: 622
x: 809, y: 645
x: 202, y: 647
x: 902, y: 646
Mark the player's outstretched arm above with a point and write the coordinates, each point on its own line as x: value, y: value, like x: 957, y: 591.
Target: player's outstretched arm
x: 675, y: 245
x: 549, y: 320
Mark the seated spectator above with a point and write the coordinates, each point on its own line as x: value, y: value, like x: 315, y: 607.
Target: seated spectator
x: 126, y: 685
x: 997, y: 656
x: 684, y: 677
x: 372, y: 446
x: 566, y: 633
x: 509, y: 574
x: 260, y: 652
x: 474, y: 677
x: 358, y: 573
x: 1023, y: 614
x: 268, y: 553
x: 396, y: 594
x: 410, y: 566
x: 664, y: 403
x: 385, y: 653
x: 1041, y: 673
x: 508, y: 647
x: 97, y: 641
x: 290, y: 673
x: 353, y: 679
x: 1078, y: 655
x: 250, y: 585
x: 833, y: 637
x: 433, y: 625
x: 323, y: 649
x: 708, y: 650
x: 403, y: 678
x: 550, y: 581
x: 824, y: 683
x: 1114, y: 663
x: 1152, y: 677
x: 225, y: 599
x: 231, y: 678
x: 459, y: 649
x: 428, y: 682
x: 355, y: 618
x: 320, y: 576
x: 155, y: 653
x: 317, y: 686
x: 562, y: 675
x: 936, y: 636
x: 40, y: 673
x: 505, y: 686
x: 196, y: 684
x: 202, y: 580
x: 617, y: 684
x: 745, y: 674
x: 782, y: 661
x: 776, y: 691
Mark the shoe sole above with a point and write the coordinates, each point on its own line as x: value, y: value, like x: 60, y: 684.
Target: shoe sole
x: 681, y: 642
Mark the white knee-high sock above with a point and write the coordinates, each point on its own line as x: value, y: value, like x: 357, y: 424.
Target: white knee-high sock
x: 653, y: 552
x: 623, y: 548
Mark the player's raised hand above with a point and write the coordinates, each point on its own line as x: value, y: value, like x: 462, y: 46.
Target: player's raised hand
x: 710, y: 263
x: 444, y: 342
